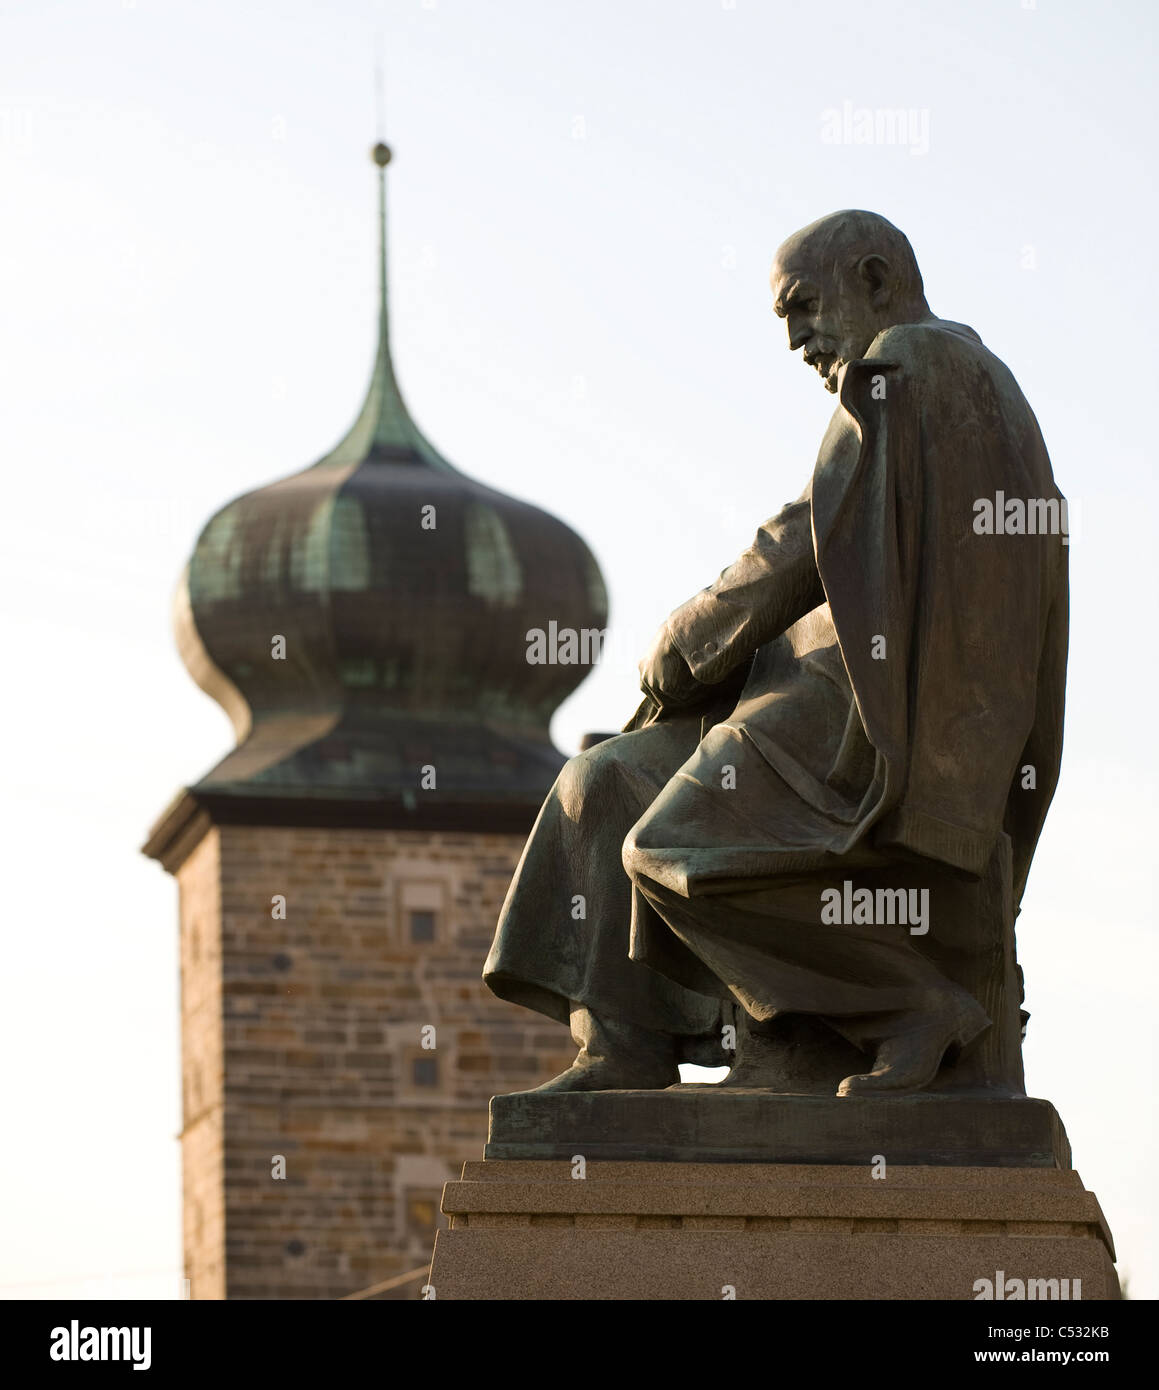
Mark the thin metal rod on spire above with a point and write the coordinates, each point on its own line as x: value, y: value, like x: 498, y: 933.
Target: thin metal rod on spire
x: 383, y: 428
x: 381, y: 155
x: 382, y: 159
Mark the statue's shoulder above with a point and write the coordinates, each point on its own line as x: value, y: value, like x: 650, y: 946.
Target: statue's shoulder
x: 917, y: 344
x: 936, y: 357
x: 945, y: 357
x: 940, y: 355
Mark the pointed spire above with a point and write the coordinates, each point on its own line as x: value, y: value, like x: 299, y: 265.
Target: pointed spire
x: 384, y: 431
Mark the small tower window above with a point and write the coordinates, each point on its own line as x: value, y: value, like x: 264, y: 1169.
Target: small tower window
x: 425, y: 1071
x: 422, y: 926
x: 421, y: 910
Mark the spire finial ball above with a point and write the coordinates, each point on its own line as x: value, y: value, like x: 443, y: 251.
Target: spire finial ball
x: 381, y: 154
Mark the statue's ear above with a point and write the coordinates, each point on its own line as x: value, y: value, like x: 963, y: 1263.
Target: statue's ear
x: 873, y: 271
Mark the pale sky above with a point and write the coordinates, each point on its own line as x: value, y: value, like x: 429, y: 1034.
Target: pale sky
x: 584, y: 203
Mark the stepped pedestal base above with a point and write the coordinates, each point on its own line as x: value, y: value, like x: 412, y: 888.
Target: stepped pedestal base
x: 711, y: 1192
x: 630, y: 1230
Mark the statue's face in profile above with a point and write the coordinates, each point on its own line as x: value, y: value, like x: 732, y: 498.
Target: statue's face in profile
x: 829, y: 314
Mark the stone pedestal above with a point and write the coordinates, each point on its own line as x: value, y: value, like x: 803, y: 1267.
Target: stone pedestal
x: 716, y: 1192
x: 631, y: 1230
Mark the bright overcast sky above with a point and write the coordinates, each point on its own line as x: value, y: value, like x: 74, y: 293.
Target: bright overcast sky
x: 584, y: 203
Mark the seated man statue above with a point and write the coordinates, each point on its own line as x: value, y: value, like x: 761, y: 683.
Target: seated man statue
x: 870, y: 697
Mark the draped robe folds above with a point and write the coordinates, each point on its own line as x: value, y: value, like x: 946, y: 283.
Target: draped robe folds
x: 896, y: 671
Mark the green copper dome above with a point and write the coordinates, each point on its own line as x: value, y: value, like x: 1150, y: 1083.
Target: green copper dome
x: 368, y: 617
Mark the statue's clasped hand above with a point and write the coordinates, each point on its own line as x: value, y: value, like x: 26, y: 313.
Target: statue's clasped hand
x: 665, y: 677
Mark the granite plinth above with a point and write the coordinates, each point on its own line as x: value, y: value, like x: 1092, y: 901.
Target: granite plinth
x: 631, y: 1231
x: 719, y: 1124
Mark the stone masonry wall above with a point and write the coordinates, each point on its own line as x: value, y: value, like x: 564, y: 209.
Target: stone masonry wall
x: 350, y: 1044
x: 202, y: 1096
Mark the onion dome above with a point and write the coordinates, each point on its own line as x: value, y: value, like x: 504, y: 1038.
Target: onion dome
x: 365, y: 624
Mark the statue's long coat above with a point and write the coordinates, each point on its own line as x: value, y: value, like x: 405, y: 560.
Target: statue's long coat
x: 906, y: 695
x: 881, y: 682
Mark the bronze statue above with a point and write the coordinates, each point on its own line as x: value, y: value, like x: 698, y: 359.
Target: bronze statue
x: 817, y: 828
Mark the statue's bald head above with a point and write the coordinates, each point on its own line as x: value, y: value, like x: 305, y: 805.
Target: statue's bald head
x: 842, y: 280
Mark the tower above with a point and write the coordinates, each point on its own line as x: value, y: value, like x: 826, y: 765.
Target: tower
x: 364, y: 624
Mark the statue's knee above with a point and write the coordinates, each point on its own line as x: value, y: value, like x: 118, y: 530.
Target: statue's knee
x: 583, y: 776
x: 635, y: 853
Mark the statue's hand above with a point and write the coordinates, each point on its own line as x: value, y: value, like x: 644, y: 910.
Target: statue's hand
x: 664, y: 674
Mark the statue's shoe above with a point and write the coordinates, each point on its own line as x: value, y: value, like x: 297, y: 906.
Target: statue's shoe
x: 910, y: 1061
x: 605, y: 1074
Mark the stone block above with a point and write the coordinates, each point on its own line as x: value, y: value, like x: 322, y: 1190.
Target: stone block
x: 632, y: 1230
x: 720, y: 1124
